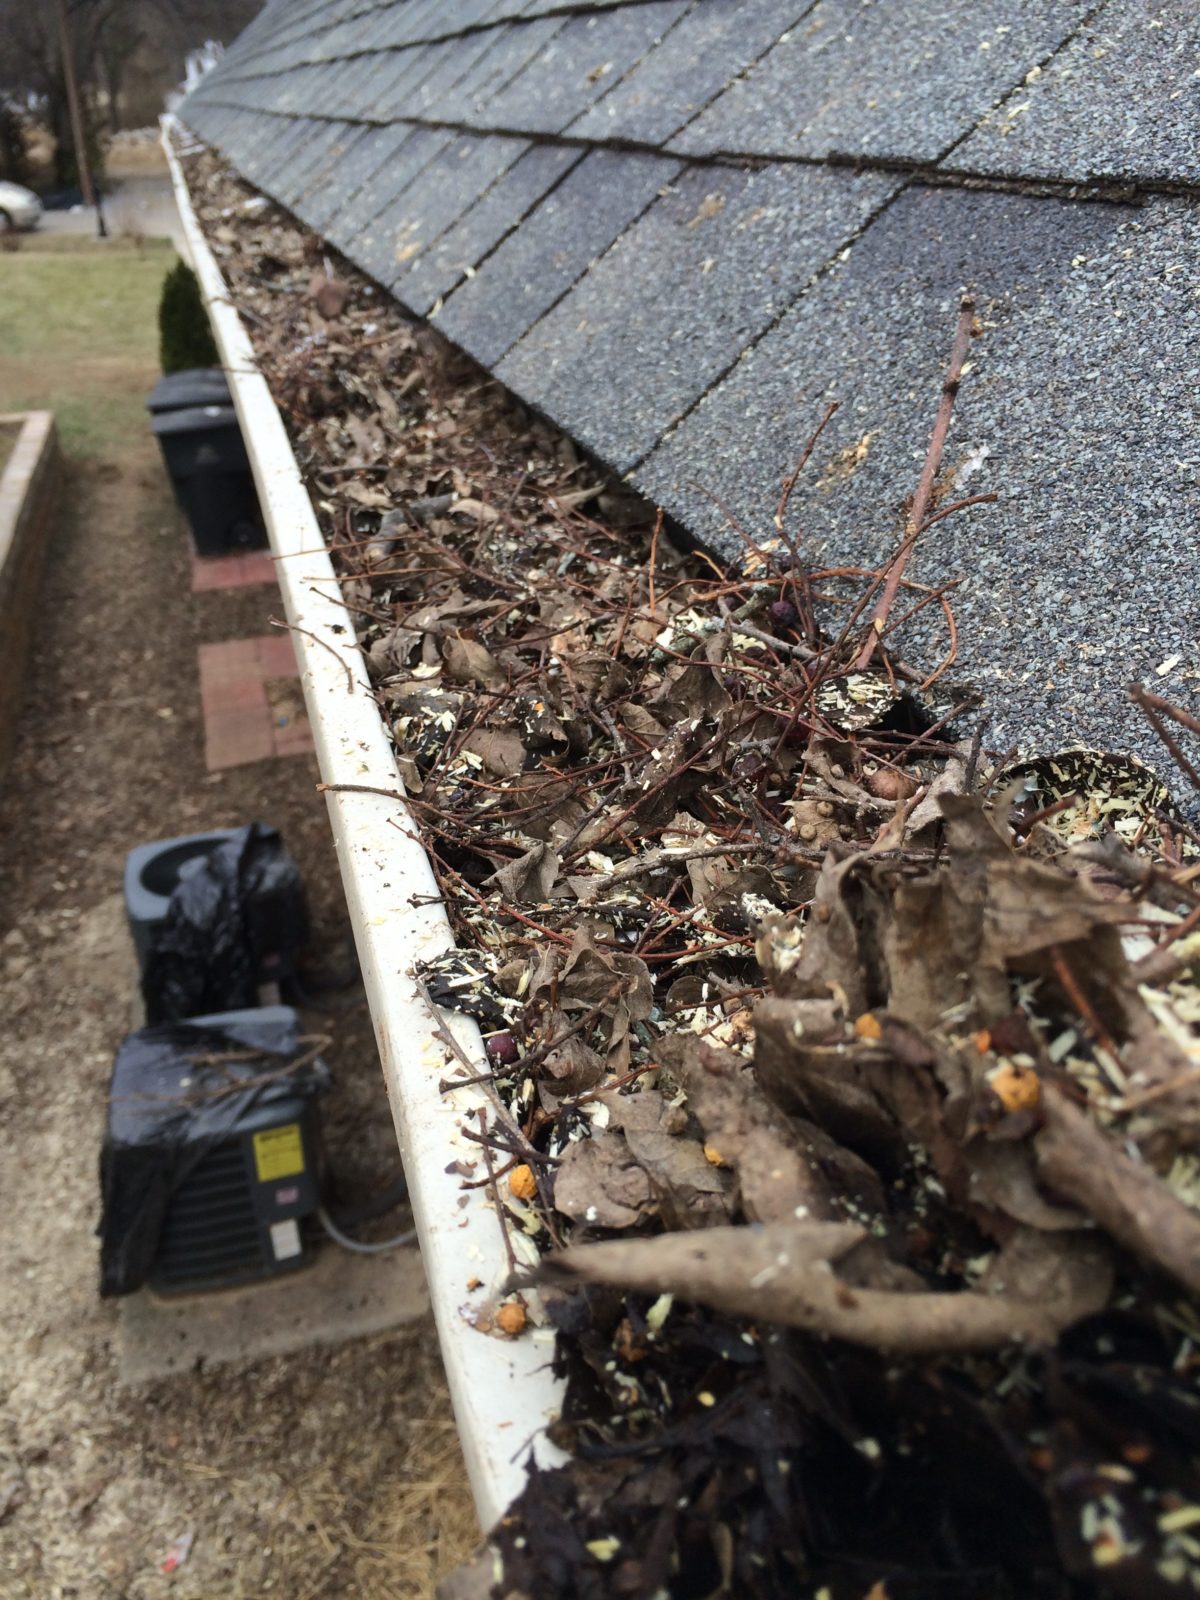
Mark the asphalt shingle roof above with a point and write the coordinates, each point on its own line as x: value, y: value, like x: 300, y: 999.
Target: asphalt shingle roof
x: 677, y: 227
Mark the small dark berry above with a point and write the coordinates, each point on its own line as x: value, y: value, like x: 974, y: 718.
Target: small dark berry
x: 783, y: 613
x: 503, y: 1050
x: 749, y: 767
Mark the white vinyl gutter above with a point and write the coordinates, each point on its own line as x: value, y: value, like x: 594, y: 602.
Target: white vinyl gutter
x: 502, y: 1390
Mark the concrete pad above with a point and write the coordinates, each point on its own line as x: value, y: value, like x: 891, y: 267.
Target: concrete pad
x: 341, y: 1296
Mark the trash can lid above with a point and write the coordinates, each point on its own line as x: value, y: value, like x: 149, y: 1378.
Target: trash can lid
x: 196, y: 386
x: 195, y: 419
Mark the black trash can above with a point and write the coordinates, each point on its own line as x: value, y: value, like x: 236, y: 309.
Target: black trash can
x: 196, y: 386
x: 204, y: 454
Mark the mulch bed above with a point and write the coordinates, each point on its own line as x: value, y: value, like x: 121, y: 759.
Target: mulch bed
x: 845, y: 1076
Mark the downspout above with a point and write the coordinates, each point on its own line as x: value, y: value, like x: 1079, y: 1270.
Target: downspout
x: 502, y: 1390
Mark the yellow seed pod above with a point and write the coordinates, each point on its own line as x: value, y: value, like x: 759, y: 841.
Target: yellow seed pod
x: 510, y: 1318
x: 522, y: 1182
x: 712, y: 1154
x: 1016, y: 1088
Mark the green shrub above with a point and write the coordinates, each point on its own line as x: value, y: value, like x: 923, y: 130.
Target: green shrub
x: 185, y: 338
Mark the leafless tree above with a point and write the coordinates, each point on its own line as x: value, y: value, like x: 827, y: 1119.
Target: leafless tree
x: 128, y: 53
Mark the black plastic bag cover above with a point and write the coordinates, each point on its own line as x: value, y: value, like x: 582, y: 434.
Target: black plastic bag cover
x: 168, y: 1106
x: 237, y: 921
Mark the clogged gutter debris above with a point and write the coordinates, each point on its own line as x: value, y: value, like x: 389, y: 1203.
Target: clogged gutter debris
x: 847, y: 1078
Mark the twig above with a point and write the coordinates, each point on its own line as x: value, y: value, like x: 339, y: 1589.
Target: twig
x: 536, y: 1057
x: 1151, y: 705
x: 1145, y: 697
x: 789, y: 483
x: 1145, y: 1097
x: 610, y: 1087
x: 801, y: 652
x: 658, y: 522
x: 1081, y: 1002
x: 294, y: 627
x: 481, y: 1113
x: 800, y: 580
x: 361, y: 788
x: 929, y: 472
x: 1160, y: 965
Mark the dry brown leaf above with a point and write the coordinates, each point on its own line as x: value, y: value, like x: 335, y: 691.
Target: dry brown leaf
x: 330, y: 296
x: 500, y: 749
x: 600, y: 1184
x: 530, y: 877
x: 474, y: 508
x: 467, y: 661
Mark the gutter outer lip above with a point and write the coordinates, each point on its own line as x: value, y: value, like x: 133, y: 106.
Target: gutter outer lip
x: 502, y: 1391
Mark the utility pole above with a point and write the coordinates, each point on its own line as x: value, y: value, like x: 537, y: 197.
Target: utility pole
x: 90, y: 198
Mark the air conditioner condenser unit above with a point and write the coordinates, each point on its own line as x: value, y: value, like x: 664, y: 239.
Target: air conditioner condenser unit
x: 210, y: 1166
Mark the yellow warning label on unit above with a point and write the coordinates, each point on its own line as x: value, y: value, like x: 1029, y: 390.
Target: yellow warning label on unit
x: 278, y: 1152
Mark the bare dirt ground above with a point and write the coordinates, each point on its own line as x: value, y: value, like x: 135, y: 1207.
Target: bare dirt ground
x: 330, y: 1473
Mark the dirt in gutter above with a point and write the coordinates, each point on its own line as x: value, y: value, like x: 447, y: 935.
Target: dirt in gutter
x: 845, y: 1078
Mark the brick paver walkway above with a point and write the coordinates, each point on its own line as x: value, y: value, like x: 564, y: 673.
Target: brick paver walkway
x: 243, y: 722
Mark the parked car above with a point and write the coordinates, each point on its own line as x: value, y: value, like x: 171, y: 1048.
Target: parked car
x: 19, y: 207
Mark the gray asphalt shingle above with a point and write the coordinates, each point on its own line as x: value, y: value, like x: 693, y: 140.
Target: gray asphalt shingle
x: 713, y: 43
x: 404, y: 72
x: 1121, y: 102
x: 586, y: 56
x: 679, y: 296
x: 366, y: 223
x: 1079, y: 411
x: 513, y: 47
x: 304, y: 161
x: 370, y: 156
x: 324, y: 182
x: 685, y: 308
x: 481, y: 228
x: 576, y: 222
x: 898, y: 80
x: 438, y: 198
x: 444, y: 90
